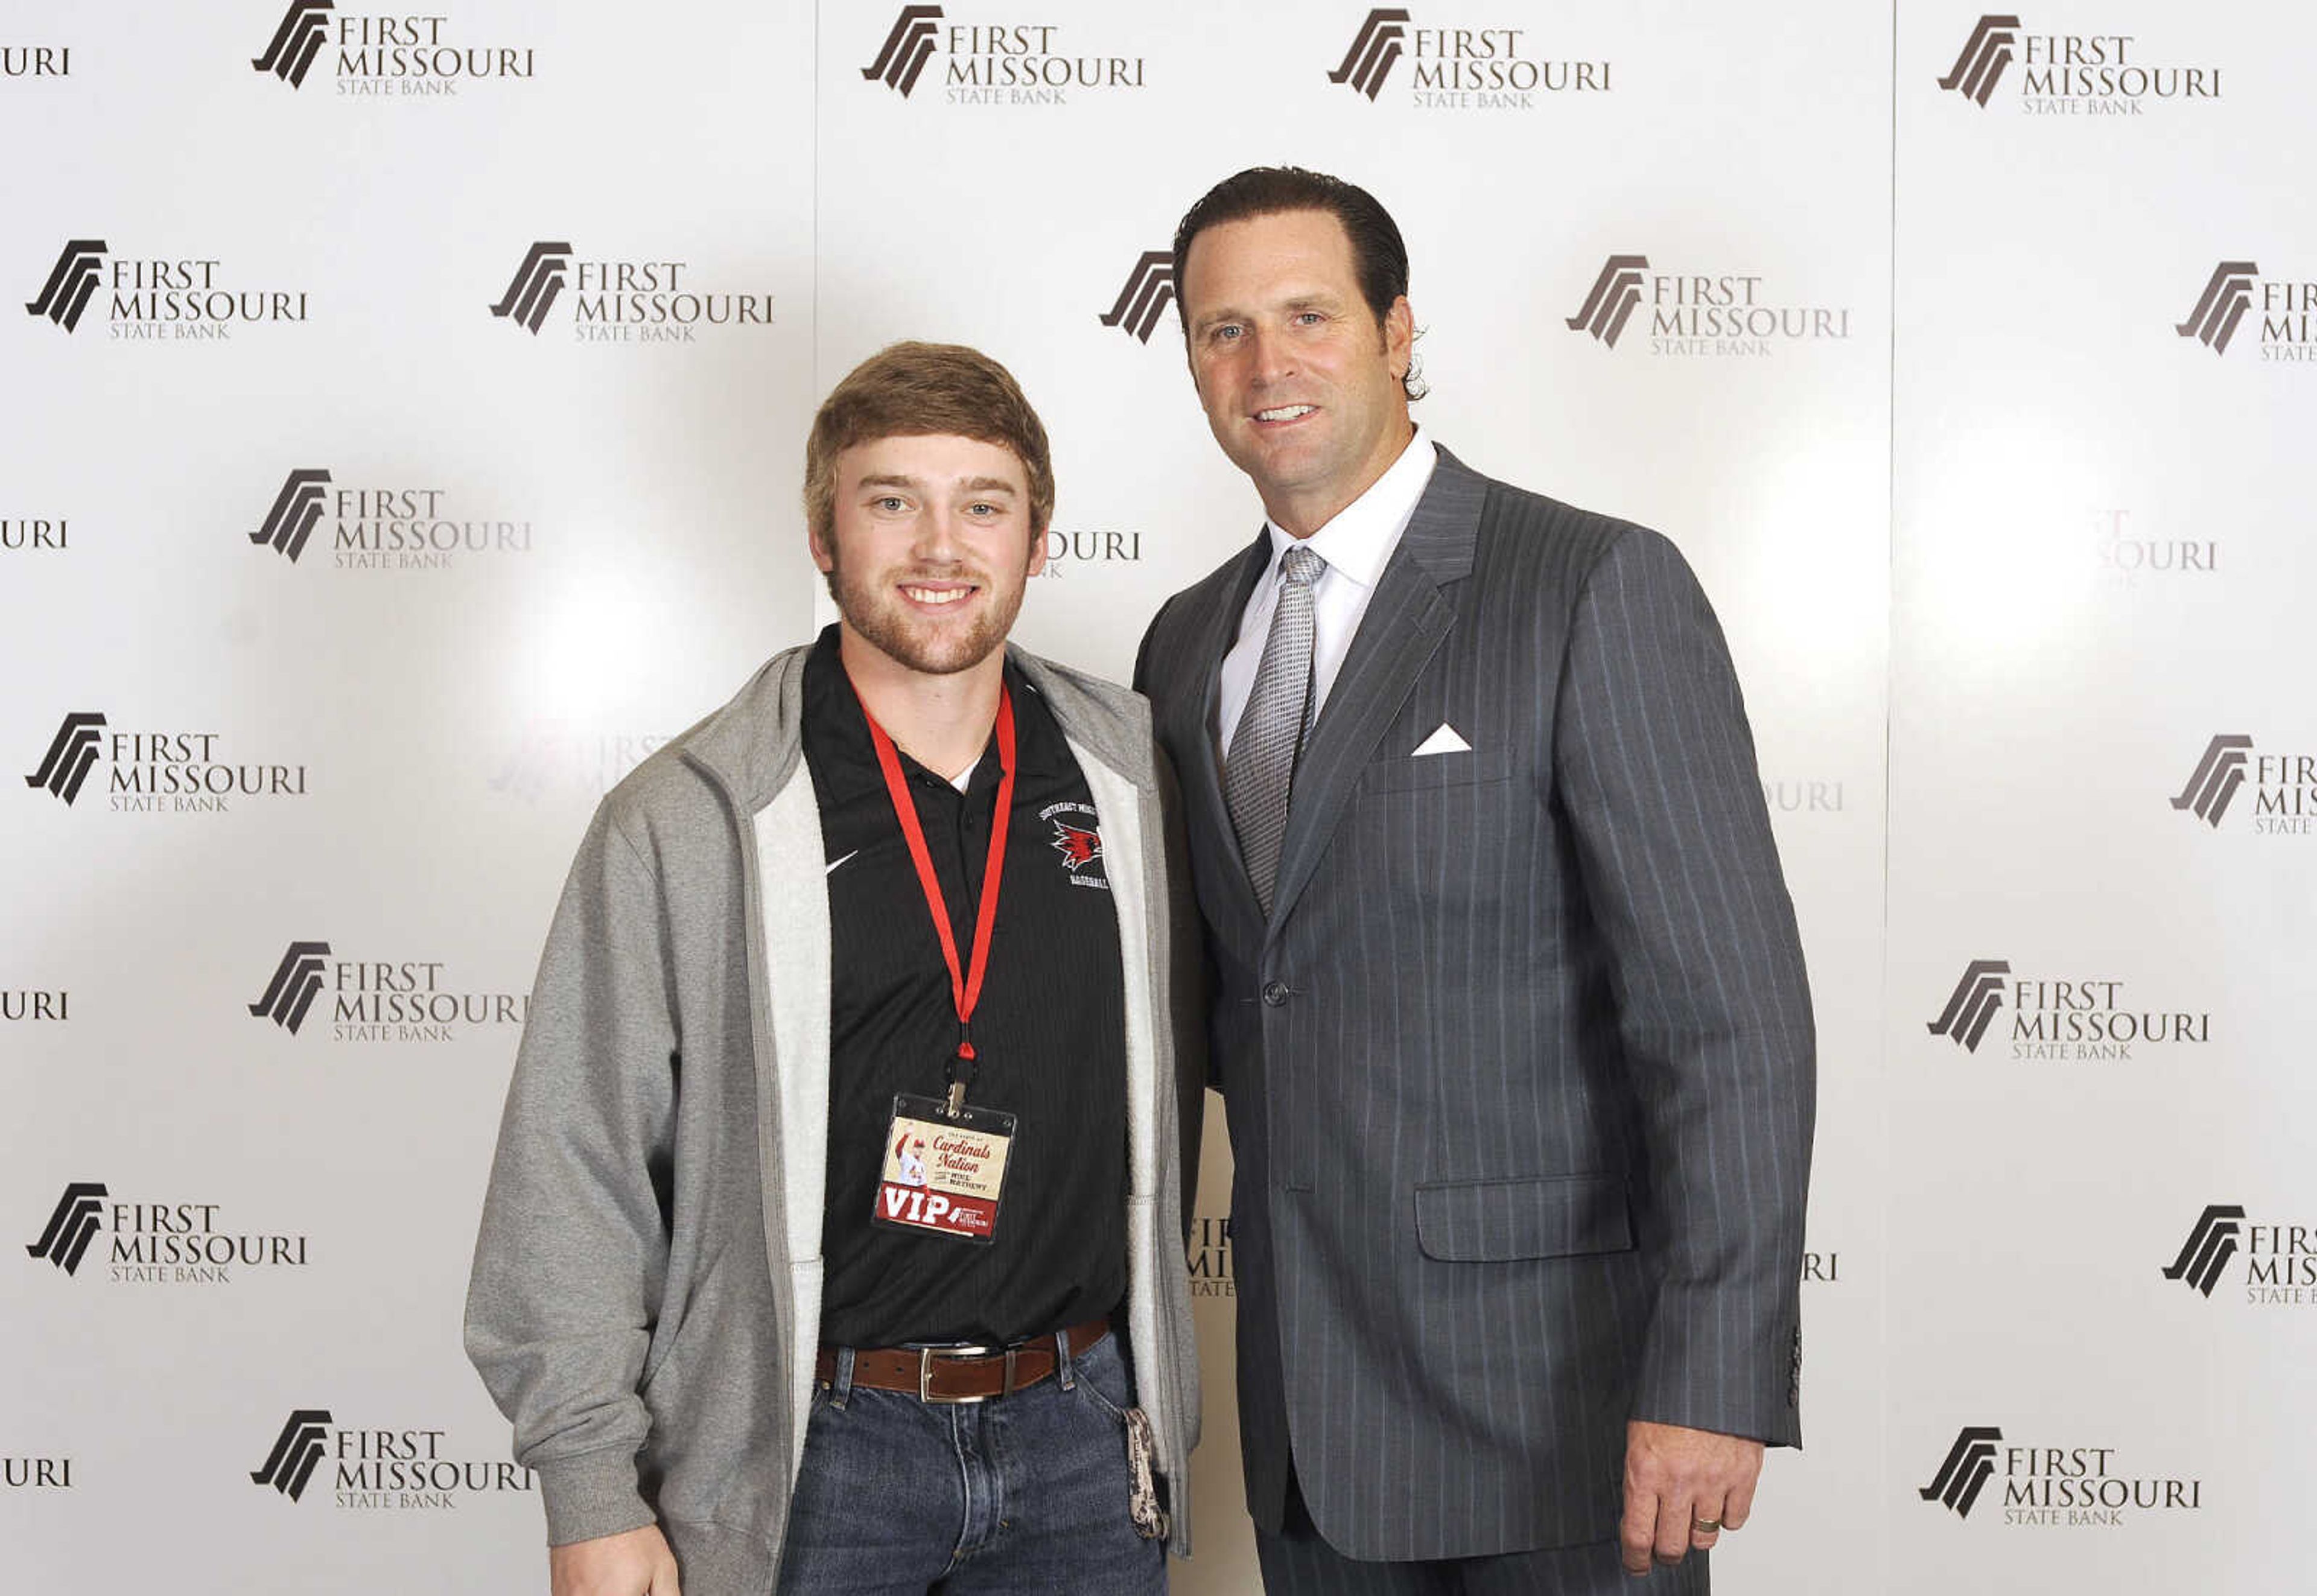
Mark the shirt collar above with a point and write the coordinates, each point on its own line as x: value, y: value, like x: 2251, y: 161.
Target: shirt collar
x: 1362, y: 535
x: 839, y: 729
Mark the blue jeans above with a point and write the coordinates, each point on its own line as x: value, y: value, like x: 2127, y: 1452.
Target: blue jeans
x: 1020, y: 1494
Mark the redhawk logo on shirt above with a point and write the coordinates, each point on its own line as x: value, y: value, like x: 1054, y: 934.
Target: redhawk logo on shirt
x: 1080, y: 846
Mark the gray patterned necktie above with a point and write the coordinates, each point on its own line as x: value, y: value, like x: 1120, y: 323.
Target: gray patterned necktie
x: 1261, y: 764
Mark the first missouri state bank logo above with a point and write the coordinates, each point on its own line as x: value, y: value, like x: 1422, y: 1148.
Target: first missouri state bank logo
x: 2287, y: 312
x: 372, y: 528
x: 297, y: 982
x: 2283, y: 787
x: 297, y: 41
x: 1375, y: 50
x: 295, y: 512
x: 993, y: 63
x: 152, y: 772
x: 379, y: 1469
x: 157, y: 1243
x: 2070, y: 73
x: 297, y: 1450
x: 1466, y: 69
x: 379, y: 999
x: 1149, y: 290
x: 1969, y: 1465
x: 401, y: 54
x: 1614, y: 296
x: 2280, y: 1261
x: 2219, y: 773
x: 2227, y: 296
x: 1701, y: 314
x: 2067, y: 1486
x: 1973, y: 1005
x: 72, y: 1226
x: 71, y: 284
x: 632, y: 300
x: 149, y: 300
x: 1985, y: 55
x: 72, y: 755
x: 907, y: 49
x: 2211, y: 1244
x: 2071, y: 1019
x: 537, y: 284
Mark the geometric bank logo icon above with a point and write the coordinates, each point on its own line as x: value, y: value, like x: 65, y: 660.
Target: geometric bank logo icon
x: 1974, y: 1003
x: 2218, y: 775
x: 2223, y: 305
x: 2211, y: 1244
x: 1969, y: 1465
x: 297, y: 981
x: 1979, y: 68
x: 536, y: 285
x: 297, y: 1450
x: 70, y: 756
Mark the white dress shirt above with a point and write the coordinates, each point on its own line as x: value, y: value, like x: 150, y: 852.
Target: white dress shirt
x: 1356, y: 544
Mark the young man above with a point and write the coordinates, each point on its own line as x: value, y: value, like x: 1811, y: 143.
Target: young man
x: 745, y: 1325
x: 1510, y: 1017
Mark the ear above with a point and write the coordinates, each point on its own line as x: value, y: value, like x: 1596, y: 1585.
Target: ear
x: 824, y: 557
x: 1399, y: 336
x: 1038, y: 551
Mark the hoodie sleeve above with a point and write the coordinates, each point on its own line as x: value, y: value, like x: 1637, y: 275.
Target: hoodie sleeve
x: 572, y: 1255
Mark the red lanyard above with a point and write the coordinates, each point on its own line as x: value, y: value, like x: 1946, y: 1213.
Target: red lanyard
x: 965, y: 987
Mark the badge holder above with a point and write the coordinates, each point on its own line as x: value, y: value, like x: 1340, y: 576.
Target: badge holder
x: 945, y: 1171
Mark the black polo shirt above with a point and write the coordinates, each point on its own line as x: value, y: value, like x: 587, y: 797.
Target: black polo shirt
x: 1049, y: 1029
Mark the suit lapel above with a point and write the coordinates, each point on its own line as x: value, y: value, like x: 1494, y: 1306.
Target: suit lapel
x: 1403, y: 626
x: 1219, y: 630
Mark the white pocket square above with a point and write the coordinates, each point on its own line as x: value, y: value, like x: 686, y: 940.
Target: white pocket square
x: 1443, y: 741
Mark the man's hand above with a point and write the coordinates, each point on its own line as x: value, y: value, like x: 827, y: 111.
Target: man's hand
x: 1676, y: 1478
x: 636, y: 1563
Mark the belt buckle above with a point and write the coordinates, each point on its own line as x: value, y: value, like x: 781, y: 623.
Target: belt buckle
x: 926, y: 1355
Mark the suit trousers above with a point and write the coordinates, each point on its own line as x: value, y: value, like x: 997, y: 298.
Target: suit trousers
x: 1297, y: 1562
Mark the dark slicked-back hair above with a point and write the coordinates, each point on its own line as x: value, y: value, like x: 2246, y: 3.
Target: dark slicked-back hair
x: 914, y: 390
x: 1379, y: 256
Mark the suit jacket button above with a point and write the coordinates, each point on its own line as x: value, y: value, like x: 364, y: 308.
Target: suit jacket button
x: 1274, y: 992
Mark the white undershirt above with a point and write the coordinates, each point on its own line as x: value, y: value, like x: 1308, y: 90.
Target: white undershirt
x: 1356, y: 544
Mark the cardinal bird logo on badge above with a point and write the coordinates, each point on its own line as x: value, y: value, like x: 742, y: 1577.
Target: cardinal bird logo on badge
x: 1079, y: 847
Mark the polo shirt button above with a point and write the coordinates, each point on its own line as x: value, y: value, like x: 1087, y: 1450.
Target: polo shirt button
x: 1274, y: 992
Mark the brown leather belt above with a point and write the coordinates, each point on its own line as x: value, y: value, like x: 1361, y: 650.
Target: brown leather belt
x: 958, y: 1374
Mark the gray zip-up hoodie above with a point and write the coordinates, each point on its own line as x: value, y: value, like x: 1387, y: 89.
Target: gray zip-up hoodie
x: 646, y: 1299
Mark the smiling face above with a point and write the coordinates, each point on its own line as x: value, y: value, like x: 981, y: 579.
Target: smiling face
x: 931, y: 544
x: 1301, y: 387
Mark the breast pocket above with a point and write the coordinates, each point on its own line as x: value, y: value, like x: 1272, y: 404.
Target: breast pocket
x: 1419, y: 773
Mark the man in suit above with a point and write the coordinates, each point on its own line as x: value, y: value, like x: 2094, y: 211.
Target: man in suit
x: 1510, y: 1007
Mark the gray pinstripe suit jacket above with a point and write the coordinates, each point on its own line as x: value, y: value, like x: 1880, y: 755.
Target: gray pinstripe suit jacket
x: 1520, y: 1070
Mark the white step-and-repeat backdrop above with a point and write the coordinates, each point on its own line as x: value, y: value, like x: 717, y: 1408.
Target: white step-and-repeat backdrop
x: 402, y: 437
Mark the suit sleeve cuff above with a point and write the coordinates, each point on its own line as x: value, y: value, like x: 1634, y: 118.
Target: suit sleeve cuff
x: 592, y: 1495
x: 1740, y: 1392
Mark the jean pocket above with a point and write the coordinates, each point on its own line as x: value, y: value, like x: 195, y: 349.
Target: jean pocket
x: 1101, y: 1375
